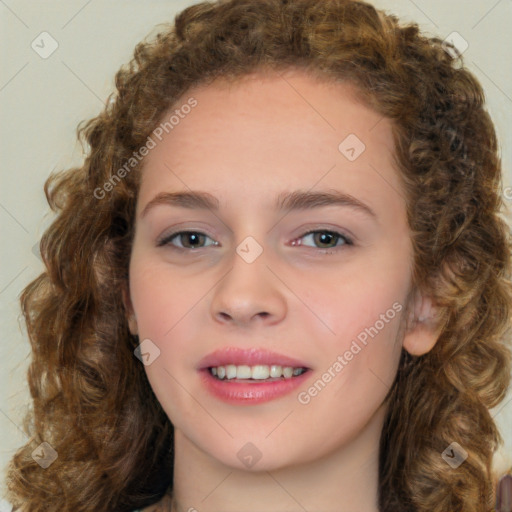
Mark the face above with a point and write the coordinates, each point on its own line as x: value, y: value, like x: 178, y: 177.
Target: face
x: 322, y: 280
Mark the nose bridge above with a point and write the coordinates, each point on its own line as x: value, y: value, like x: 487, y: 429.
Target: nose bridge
x: 249, y: 290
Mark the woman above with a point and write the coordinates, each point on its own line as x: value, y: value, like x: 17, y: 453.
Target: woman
x: 199, y: 345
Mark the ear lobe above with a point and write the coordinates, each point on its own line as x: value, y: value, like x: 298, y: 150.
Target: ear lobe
x: 422, y: 331
x: 130, y: 315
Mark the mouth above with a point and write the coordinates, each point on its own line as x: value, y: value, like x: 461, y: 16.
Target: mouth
x: 251, y: 364
x: 251, y: 376
x: 256, y: 373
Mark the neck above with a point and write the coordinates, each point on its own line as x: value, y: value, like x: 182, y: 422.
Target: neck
x: 345, y: 480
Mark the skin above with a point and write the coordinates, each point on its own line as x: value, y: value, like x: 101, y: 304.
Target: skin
x: 245, y: 143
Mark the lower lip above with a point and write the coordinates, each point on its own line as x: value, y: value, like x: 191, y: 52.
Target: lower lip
x: 250, y: 393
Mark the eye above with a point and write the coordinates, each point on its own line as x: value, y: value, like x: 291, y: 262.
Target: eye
x: 325, y: 238
x: 192, y: 238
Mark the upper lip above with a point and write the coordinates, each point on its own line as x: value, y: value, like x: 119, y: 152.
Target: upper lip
x: 250, y: 357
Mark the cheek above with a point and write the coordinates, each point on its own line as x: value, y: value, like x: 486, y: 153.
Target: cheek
x: 359, y: 361
x: 166, y: 303
x: 160, y: 298
x: 362, y: 346
x: 359, y: 305
x: 161, y: 304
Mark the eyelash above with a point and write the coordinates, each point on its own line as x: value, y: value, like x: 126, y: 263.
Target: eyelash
x: 347, y: 241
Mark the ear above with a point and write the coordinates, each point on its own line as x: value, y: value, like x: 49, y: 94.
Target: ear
x: 130, y: 315
x: 422, y: 331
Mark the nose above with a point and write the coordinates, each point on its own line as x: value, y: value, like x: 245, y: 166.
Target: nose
x: 249, y: 293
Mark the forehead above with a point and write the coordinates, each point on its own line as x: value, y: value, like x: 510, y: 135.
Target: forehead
x: 271, y: 131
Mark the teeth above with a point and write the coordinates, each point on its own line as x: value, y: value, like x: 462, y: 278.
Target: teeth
x: 260, y: 372
x: 230, y: 371
x: 257, y: 372
x: 275, y: 370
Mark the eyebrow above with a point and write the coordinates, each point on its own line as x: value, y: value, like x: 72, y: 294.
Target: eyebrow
x: 297, y: 200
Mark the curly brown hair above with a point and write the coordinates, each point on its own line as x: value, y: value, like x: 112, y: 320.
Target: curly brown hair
x: 92, y: 401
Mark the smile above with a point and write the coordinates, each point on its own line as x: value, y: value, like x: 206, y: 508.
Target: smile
x: 256, y: 372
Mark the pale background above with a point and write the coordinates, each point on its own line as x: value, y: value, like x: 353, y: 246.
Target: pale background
x: 43, y: 99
